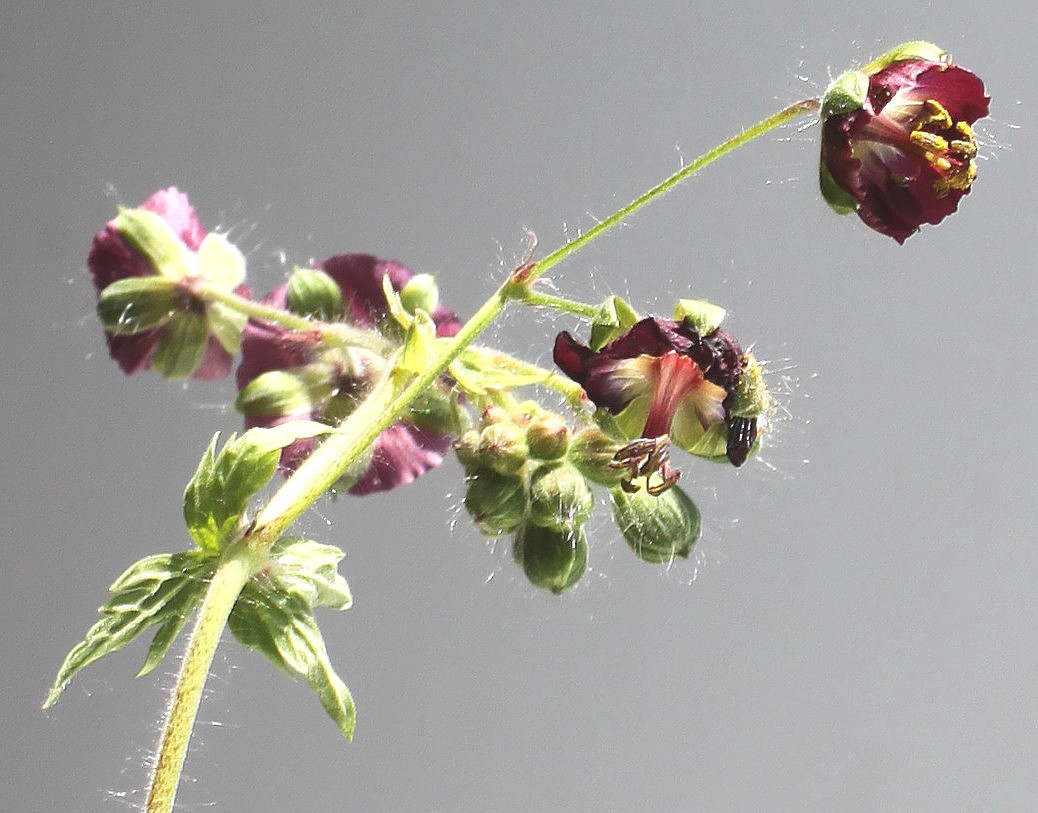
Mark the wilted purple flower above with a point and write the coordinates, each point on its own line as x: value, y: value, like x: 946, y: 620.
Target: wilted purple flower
x: 904, y: 153
x: 662, y: 378
x: 290, y: 375
x: 165, y: 325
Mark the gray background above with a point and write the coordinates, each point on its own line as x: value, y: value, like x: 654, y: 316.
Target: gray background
x: 857, y: 628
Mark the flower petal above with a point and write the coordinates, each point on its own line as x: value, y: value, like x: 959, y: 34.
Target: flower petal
x: 401, y: 454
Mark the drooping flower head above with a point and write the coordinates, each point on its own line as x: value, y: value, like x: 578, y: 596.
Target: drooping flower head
x: 898, y: 145
x: 290, y: 374
x: 664, y: 377
x: 147, y: 265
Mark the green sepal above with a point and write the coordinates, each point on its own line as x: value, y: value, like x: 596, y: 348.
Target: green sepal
x: 182, y: 346
x: 559, y: 497
x: 657, y: 528
x: 711, y: 444
x: 702, y: 316
x: 496, y: 502
x: 217, y: 496
x: 917, y: 49
x: 226, y: 326
x: 839, y: 201
x: 295, y: 391
x: 419, y: 344
x: 393, y: 304
x: 479, y: 370
x: 613, y: 318
x: 220, y: 263
x: 592, y: 452
x: 752, y: 398
x: 552, y: 558
x: 134, y: 304
x: 161, y: 590
x: 845, y: 94
x: 152, y: 236
x: 314, y: 294
x: 274, y: 614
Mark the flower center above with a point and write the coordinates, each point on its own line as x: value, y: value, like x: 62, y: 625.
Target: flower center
x: 949, y: 147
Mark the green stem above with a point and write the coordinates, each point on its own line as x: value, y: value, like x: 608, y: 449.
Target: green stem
x: 786, y: 114
x: 388, y: 399
x: 559, y: 303
x: 232, y: 574
x: 339, y: 331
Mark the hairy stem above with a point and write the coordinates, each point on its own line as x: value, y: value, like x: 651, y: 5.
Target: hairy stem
x: 233, y: 572
x: 344, y: 333
x: 786, y: 114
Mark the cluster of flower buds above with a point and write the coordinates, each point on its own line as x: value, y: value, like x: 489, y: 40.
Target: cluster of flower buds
x: 521, y: 480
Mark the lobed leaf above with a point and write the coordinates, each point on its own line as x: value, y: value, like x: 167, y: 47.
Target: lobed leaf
x: 274, y: 615
x: 161, y: 590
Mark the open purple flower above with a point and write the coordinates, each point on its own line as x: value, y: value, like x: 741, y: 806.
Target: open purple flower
x: 898, y: 145
x: 145, y: 265
x: 662, y: 378
x: 290, y: 375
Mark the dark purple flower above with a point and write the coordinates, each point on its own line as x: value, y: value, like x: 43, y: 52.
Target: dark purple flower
x: 907, y: 154
x: 290, y: 375
x: 663, y: 378
x: 119, y: 252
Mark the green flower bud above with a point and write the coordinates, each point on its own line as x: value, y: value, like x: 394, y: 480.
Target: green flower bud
x: 560, y: 497
x: 591, y: 453
x: 551, y: 558
x: 502, y: 447
x: 547, y: 437
x: 420, y: 292
x: 496, y: 502
x: 314, y: 293
x: 297, y: 391
x: 435, y: 411
x: 466, y: 448
x: 657, y: 528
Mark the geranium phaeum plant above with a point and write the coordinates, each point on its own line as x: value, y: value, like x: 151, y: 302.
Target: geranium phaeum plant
x: 353, y: 376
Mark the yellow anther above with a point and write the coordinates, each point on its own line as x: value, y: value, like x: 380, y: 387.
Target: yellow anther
x: 935, y: 115
x: 966, y: 150
x: 931, y: 142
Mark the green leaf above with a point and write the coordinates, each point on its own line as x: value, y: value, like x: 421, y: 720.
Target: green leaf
x: 217, y: 496
x: 181, y: 349
x: 274, y: 614
x: 161, y: 590
x: 152, y: 236
x: 132, y: 305
x: 614, y: 318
